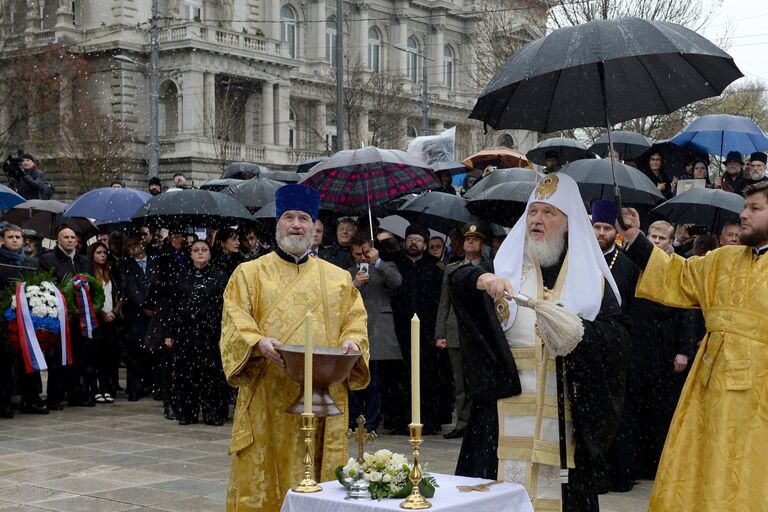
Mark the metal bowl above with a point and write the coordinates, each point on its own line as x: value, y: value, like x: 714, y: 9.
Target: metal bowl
x: 329, y: 366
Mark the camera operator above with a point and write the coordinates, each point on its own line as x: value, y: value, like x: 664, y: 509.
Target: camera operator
x: 26, y: 178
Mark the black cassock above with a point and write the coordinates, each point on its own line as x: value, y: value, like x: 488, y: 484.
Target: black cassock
x: 420, y: 294
x: 595, y: 372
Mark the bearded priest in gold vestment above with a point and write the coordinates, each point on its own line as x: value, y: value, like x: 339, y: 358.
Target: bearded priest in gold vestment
x: 714, y: 455
x: 264, y: 307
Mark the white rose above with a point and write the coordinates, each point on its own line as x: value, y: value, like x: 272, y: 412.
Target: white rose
x: 386, y: 478
x: 374, y: 476
x: 39, y: 311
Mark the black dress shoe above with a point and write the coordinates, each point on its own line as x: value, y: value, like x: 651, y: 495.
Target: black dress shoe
x: 188, y: 421
x: 454, y: 434
x: 52, y: 406
x: 133, y: 397
x: 34, y: 409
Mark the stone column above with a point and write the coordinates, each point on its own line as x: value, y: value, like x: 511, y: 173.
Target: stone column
x: 362, y: 35
x: 268, y: 113
x: 316, y: 31
x: 209, y: 103
x: 64, y: 15
x: 250, y: 114
x: 438, y: 39
x: 319, y: 134
x: 283, y: 108
x: 33, y: 16
x: 192, y: 103
x: 272, y: 13
x: 400, y: 34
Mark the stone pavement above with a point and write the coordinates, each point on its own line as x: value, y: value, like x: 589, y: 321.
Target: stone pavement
x: 127, y: 457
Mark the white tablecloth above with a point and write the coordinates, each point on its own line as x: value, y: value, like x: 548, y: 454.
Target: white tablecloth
x: 505, y: 497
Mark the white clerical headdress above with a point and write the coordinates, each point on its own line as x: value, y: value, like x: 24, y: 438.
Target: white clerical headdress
x: 583, y: 289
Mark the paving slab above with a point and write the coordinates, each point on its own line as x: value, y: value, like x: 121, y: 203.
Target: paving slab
x: 143, y: 496
x: 85, y: 504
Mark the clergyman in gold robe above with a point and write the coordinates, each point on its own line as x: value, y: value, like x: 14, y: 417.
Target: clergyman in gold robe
x: 265, y: 304
x: 714, y: 455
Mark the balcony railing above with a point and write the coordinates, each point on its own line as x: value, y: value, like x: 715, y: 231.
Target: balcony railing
x: 221, y: 37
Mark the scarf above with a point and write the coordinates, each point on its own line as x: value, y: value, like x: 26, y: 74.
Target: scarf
x: 16, y: 257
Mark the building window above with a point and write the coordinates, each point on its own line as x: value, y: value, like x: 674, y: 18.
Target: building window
x: 507, y: 141
x: 448, y: 67
x: 413, y: 59
x: 374, y: 50
x: 288, y: 29
x: 193, y: 11
x: 412, y: 132
x: 330, y: 40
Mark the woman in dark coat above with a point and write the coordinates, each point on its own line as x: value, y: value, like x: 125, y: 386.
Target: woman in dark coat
x: 194, y: 334
x: 100, y: 373
x: 226, y: 250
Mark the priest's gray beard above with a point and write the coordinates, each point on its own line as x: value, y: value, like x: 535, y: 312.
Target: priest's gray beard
x: 294, y: 244
x: 546, y: 252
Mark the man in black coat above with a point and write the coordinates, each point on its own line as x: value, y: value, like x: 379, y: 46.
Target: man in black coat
x: 29, y: 181
x: 65, y: 261
x: 14, y: 264
x: 136, y: 275
x: 420, y: 294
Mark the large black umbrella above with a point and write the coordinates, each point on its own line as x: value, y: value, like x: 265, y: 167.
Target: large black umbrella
x: 503, y: 203
x: 451, y: 166
x: 604, y: 72
x: 705, y: 206
x: 193, y: 208
x: 629, y: 144
x: 437, y: 210
x: 306, y: 165
x: 567, y: 149
x: 254, y: 193
x: 243, y: 170
x: 596, y: 181
x: 501, y: 176
x: 45, y: 216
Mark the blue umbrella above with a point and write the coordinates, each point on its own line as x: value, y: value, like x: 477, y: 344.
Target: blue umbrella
x: 720, y: 133
x: 108, y: 204
x: 9, y: 198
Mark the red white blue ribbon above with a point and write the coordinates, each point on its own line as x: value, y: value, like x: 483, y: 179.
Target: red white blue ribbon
x: 66, y: 345
x: 34, y: 361
x: 84, y: 306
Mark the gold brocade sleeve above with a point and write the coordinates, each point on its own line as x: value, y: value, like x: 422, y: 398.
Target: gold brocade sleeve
x: 674, y: 280
x: 240, y: 332
x: 355, y: 328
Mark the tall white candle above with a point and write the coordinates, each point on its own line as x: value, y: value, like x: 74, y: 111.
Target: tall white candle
x: 415, y: 371
x: 308, y: 363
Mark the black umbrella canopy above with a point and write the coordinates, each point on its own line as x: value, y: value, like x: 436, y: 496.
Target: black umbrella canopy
x: 193, y: 208
x: 501, y: 176
x: 704, y: 206
x: 595, y: 180
x: 630, y: 145
x: 568, y: 149
x: 219, y: 184
x: 254, y: 193
x: 503, y: 203
x: 451, y: 166
x: 437, y: 210
x: 306, y: 165
x: 617, y: 69
x: 243, y: 170
x: 45, y: 216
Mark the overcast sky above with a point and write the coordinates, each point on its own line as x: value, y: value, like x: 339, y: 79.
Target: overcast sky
x: 746, y: 21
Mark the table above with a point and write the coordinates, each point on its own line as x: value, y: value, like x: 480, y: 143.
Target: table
x: 505, y: 497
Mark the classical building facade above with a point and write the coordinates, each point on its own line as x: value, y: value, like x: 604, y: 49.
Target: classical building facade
x: 253, y: 80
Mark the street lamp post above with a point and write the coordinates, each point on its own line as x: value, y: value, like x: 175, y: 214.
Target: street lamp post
x: 424, y: 86
x: 154, y: 79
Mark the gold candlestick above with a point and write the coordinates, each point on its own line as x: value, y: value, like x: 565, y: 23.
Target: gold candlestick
x: 308, y: 484
x: 415, y: 501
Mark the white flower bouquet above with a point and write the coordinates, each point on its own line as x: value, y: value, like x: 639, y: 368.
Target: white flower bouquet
x: 386, y: 474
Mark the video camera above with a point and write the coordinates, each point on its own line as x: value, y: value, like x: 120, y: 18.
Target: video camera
x: 12, y: 166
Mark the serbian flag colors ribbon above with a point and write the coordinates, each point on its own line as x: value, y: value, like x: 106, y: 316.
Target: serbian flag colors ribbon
x: 66, y: 345
x: 84, y: 306
x: 30, y: 347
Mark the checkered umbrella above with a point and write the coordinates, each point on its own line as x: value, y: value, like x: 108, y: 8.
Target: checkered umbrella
x: 353, y: 180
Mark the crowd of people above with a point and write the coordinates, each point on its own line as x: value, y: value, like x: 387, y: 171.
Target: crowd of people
x: 197, y: 329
